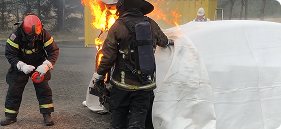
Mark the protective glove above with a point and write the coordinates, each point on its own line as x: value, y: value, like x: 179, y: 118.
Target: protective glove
x: 43, y: 69
x: 24, y: 67
x: 98, y: 78
x: 170, y: 42
x: 98, y: 81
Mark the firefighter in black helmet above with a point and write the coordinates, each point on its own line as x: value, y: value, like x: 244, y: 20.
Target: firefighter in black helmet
x: 29, y: 48
x: 130, y: 51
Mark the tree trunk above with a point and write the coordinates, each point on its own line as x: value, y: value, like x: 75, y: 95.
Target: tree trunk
x: 60, y: 12
x: 262, y: 10
x: 28, y: 7
x: 38, y: 9
x: 17, y: 10
x: 241, y: 11
x: 231, y: 7
x: 246, y: 9
x: 3, y: 9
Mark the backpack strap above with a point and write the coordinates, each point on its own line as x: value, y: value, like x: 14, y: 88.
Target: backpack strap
x: 129, y: 25
x: 133, y: 43
x: 145, y: 18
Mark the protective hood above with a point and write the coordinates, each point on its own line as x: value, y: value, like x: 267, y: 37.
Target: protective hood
x: 124, y: 5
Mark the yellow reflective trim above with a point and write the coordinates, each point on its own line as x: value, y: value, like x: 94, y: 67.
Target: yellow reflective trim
x: 13, y: 44
x: 46, y: 105
x: 10, y: 111
x: 48, y: 42
x: 122, y: 77
x: 134, y: 87
x: 28, y: 51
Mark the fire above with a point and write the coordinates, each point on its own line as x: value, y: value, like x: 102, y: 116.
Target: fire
x: 99, y: 58
x: 104, y: 16
x: 157, y: 14
x: 98, y: 43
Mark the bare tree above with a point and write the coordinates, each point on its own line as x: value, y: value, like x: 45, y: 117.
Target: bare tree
x: 38, y: 9
x: 244, y: 4
x: 17, y: 10
x: 60, y: 14
x: 262, y: 9
x: 28, y: 7
x: 3, y: 10
x: 231, y: 7
x: 242, y: 7
x: 56, y: 15
x: 246, y: 9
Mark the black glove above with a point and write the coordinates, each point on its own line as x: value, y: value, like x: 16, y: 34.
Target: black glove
x: 98, y: 85
x: 98, y: 88
x: 170, y: 42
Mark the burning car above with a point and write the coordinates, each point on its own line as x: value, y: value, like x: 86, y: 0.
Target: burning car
x: 218, y: 75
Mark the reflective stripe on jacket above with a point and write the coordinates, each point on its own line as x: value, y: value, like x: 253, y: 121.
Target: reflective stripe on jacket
x: 44, y: 48
x: 117, y: 40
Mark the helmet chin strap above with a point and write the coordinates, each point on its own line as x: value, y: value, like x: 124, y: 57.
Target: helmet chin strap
x: 33, y: 29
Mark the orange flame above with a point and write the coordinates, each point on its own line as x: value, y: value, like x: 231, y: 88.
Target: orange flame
x: 98, y: 43
x: 158, y: 14
x: 104, y: 17
x: 99, y: 58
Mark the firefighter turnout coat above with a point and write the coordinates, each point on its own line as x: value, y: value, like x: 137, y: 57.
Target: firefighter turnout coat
x: 44, y: 48
x: 115, y: 52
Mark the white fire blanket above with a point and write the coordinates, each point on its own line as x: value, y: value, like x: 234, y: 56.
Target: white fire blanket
x: 92, y: 101
x: 220, y: 75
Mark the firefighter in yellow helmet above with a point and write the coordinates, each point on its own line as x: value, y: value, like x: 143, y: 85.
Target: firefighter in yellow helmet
x: 201, y: 16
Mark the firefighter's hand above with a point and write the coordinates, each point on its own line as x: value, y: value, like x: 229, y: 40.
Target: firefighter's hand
x: 98, y: 78
x: 24, y: 67
x: 98, y: 85
x: 43, y: 69
x: 170, y: 42
x: 98, y: 82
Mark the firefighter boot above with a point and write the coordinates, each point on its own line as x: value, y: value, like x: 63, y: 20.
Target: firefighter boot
x: 8, y: 121
x: 48, y: 120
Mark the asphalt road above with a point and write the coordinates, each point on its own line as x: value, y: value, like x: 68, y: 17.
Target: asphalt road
x: 70, y: 78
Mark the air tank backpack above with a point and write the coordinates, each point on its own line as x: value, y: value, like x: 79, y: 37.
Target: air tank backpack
x: 141, y: 61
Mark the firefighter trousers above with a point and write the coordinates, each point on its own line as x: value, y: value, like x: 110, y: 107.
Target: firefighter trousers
x: 17, y: 81
x: 148, y: 120
x: 129, y: 104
